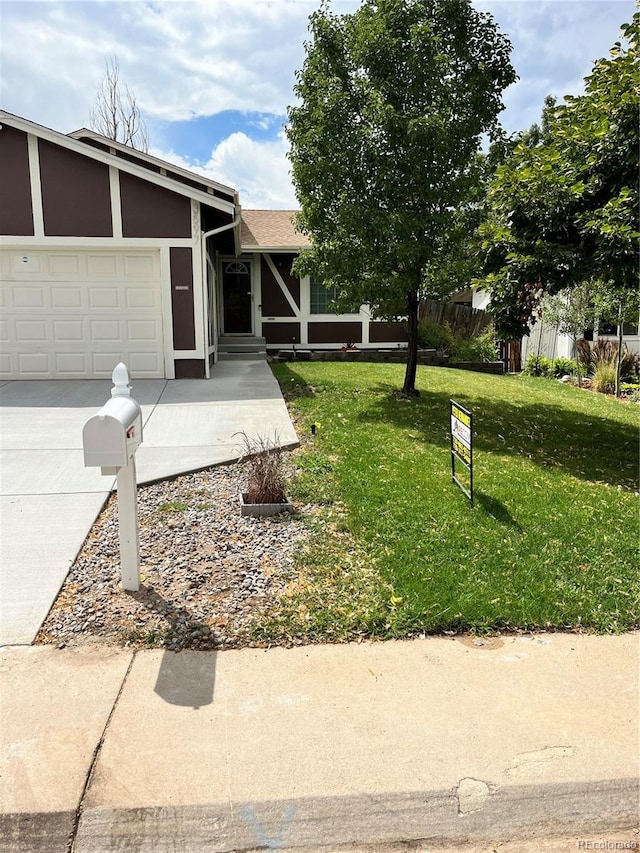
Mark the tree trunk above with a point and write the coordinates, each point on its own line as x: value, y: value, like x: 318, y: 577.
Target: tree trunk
x: 577, y: 354
x: 409, y: 386
x: 619, y: 353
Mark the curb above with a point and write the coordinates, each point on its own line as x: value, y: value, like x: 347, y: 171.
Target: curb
x: 474, y: 812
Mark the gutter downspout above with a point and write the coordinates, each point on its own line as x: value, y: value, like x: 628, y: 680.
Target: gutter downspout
x: 204, y: 236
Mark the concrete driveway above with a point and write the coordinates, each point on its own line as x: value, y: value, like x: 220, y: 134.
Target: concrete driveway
x: 49, y: 500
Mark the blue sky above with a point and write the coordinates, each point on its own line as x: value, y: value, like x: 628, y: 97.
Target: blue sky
x: 214, y: 77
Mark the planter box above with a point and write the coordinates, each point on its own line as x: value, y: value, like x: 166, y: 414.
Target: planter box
x: 263, y: 509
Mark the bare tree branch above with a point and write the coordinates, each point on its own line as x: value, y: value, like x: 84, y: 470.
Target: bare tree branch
x: 116, y: 113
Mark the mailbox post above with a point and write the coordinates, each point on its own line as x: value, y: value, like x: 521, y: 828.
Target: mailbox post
x: 110, y: 439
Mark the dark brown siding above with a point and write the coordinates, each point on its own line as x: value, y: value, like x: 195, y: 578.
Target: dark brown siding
x: 274, y: 302
x: 335, y: 333
x: 286, y: 334
x: 189, y: 368
x: 283, y: 265
x: 76, y: 200
x: 184, y: 331
x: 380, y: 333
x: 151, y: 211
x: 16, y: 213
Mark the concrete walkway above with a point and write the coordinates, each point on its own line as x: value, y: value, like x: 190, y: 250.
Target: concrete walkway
x: 437, y: 739
x: 49, y: 500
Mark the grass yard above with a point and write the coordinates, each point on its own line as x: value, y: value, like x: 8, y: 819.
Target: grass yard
x: 552, y: 542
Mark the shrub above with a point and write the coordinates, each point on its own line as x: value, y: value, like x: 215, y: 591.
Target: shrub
x: 538, y: 365
x: 605, y: 351
x: 631, y: 390
x: 563, y: 367
x: 265, y: 469
x: 604, y: 377
x: 433, y: 336
x: 440, y: 337
x: 482, y: 348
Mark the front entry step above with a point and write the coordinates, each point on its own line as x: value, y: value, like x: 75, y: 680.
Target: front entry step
x: 241, y: 348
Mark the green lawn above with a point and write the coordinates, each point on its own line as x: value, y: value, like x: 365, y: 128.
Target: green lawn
x: 552, y: 541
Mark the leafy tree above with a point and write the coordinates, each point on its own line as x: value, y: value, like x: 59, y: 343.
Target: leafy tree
x: 115, y: 113
x: 564, y: 206
x: 572, y: 311
x: 394, y: 99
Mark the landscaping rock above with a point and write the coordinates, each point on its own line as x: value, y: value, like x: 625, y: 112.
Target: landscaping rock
x: 206, y: 571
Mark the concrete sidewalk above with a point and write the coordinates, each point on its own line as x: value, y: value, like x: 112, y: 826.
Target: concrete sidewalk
x: 439, y: 739
x: 49, y: 500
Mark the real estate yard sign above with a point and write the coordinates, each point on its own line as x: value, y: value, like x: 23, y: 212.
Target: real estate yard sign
x: 462, y: 446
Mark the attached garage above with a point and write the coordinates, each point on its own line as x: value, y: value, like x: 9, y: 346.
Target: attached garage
x: 107, y: 254
x: 74, y: 314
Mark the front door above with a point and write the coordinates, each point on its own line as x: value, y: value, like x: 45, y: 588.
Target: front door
x: 237, y: 312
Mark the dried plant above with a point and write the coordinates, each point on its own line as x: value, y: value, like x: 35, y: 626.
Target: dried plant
x: 264, y: 462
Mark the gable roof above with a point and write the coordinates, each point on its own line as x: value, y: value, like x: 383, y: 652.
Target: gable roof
x: 135, y: 162
x: 155, y: 164
x: 264, y: 230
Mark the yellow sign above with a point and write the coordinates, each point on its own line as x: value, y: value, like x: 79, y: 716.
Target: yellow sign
x: 461, y: 449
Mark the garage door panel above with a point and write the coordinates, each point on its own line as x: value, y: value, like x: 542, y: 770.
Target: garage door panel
x: 67, y: 265
x: 138, y: 297
x: 77, y: 314
x: 21, y: 263
x: 69, y: 364
x: 106, y: 330
x: 28, y: 331
x: 102, y: 266
x: 141, y: 267
x: 102, y: 363
x: 66, y: 297
x: 142, y: 363
x: 104, y: 297
x: 65, y: 331
x: 141, y: 330
x: 29, y: 297
x: 35, y: 364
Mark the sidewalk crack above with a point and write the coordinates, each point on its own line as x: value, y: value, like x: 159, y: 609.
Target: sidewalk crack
x: 71, y: 844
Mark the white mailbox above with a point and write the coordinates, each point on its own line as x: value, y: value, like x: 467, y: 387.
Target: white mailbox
x: 111, y: 437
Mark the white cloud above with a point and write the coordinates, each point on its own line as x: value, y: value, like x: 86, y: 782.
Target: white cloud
x: 181, y: 59
x: 198, y: 58
x: 184, y: 60
x: 259, y: 170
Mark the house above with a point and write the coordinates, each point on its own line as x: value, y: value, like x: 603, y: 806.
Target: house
x: 293, y: 312
x: 109, y: 254
x: 546, y: 340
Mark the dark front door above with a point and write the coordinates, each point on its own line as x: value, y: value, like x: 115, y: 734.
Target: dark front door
x: 236, y: 298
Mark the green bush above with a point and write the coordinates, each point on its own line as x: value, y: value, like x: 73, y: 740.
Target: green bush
x: 538, y: 365
x: 433, y: 336
x: 563, y: 367
x: 631, y: 390
x: 604, y: 377
x: 482, y: 348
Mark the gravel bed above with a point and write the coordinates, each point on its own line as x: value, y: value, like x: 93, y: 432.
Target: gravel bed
x: 206, y: 572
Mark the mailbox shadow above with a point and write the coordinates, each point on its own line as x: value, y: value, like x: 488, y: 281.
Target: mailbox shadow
x: 185, y: 678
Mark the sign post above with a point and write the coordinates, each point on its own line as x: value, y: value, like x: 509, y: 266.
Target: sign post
x: 461, y: 421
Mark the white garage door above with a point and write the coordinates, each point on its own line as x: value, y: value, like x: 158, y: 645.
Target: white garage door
x: 76, y: 314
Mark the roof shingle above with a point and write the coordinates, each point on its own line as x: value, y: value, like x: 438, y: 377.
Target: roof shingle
x: 271, y: 229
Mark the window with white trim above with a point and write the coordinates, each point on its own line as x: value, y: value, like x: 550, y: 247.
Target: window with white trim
x: 322, y: 297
